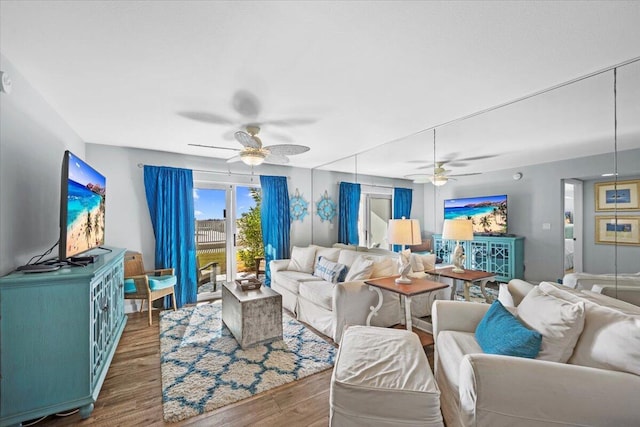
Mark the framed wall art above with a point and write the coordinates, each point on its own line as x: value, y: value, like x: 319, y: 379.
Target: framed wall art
x: 622, y: 196
x: 624, y: 231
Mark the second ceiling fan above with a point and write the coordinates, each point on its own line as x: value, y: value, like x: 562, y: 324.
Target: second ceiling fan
x: 254, y: 153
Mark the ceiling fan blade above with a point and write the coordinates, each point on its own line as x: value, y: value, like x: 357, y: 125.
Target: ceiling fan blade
x: 234, y: 159
x: 291, y: 122
x: 419, y: 178
x: 277, y: 159
x: 202, y: 116
x: 465, y: 174
x: 247, y: 140
x: 214, y: 146
x: 287, y: 149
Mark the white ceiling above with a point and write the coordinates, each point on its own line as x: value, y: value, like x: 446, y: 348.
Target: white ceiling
x: 340, y: 77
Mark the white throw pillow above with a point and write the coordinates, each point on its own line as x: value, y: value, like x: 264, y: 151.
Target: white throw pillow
x: 384, y: 268
x: 302, y: 259
x: 428, y: 261
x: 560, y: 322
x: 610, y: 339
x: 416, y: 263
x: 360, y: 270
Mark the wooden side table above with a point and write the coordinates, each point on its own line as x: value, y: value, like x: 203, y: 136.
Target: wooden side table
x: 468, y: 277
x: 416, y: 287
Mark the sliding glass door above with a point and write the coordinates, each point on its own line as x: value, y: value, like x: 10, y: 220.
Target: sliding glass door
x: 228, y: 233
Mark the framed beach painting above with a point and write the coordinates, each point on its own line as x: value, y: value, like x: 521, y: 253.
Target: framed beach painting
x: 624, y: 231
x: 622, y: 196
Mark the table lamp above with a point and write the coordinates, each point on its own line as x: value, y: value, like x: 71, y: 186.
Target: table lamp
x: 457, y: 229
x: 404, y: 232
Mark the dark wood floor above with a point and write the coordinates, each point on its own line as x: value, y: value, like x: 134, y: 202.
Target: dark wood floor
x: 131, y: 393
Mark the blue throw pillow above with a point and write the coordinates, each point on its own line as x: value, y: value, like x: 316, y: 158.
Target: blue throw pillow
x: 330, y: 271
x: 500, y: 332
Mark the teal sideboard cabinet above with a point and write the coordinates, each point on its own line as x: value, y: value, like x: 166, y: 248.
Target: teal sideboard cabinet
x: 58, y: 334
x: 503, y: 256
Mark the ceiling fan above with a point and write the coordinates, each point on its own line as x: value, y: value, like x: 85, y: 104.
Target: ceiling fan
x: 254, y: 153
x: 439, y: 177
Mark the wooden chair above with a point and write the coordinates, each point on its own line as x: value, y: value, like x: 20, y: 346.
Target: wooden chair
x: 207, y: 273
x: 147, y: 285
x: 260, y: 266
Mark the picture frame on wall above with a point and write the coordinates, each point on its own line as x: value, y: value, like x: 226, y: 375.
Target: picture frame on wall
x: 623, y: 231
x: 622, y: 195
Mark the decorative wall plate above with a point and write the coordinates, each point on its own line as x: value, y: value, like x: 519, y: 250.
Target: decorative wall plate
x: 298, y: 206
x: 326, y: 208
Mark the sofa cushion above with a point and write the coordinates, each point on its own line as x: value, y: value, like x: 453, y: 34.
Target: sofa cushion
x: 291, y: 280
x: 610, y: 338
x: 452, y: 347
x: 416, y: 263
x: 330, y: 271
x: 500, y: 332
x: 361, y: 269
x: 302, y: 259
x: 320, y: 292
x: 331, y: 254
x: 559, y: 321
x: 348, y: 257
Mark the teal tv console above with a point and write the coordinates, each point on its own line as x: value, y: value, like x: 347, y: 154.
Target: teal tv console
x: 503, y: 256
x: 58, y: 334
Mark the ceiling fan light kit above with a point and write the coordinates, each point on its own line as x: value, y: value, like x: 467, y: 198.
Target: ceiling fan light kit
x: 252, y: 157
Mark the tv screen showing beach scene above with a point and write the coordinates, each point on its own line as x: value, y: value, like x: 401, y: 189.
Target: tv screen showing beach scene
x: 82, y: 208
x: 487, y: 213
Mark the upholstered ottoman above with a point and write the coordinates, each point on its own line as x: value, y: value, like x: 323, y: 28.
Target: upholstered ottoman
x: 382, y: 377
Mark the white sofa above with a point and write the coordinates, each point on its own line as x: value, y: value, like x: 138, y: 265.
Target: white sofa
x: 597, y: 386
x: 328, y: 307
x: 587, y: 280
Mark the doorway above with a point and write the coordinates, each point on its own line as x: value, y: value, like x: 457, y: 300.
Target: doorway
x: 572, y: 225
x: 375, y: 213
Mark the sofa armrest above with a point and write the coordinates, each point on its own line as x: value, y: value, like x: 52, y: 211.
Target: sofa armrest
x: 278, y: 265
x: 456, y: 316
x: 503, y: 390
x: 351, y: 305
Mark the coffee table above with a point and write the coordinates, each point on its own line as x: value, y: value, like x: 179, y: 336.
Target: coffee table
x: 468, y: 277
x: 406, y: 291
x: 253, y: 317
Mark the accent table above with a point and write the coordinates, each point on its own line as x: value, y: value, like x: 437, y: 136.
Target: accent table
x: 468, y: 277
x: 253, y: 317
x: 416, y: 287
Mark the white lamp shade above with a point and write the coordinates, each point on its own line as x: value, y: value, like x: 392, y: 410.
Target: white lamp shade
x: 404, y: 232
x: 457, y: 229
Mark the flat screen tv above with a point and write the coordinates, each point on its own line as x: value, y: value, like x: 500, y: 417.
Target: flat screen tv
x: 488, y: 213
x: 82, y: 207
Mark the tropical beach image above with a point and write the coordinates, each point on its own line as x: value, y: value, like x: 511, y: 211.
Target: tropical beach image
x: 85, y: 207
x: 488, y: 213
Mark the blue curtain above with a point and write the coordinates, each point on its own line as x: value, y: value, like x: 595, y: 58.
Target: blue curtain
x: 276, y: 220
x: 170, y: 199
x: 348, y: 206
x: 401, y: 207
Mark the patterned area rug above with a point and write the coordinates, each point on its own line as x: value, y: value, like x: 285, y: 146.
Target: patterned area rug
x: 475, y: 294
x: 204, y: 368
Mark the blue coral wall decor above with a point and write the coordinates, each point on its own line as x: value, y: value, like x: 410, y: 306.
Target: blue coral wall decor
x: 326, y: 208
x: 299, y: 207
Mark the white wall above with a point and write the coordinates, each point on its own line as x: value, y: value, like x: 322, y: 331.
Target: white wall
x: 536, y: 199
x: 33, y: 138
